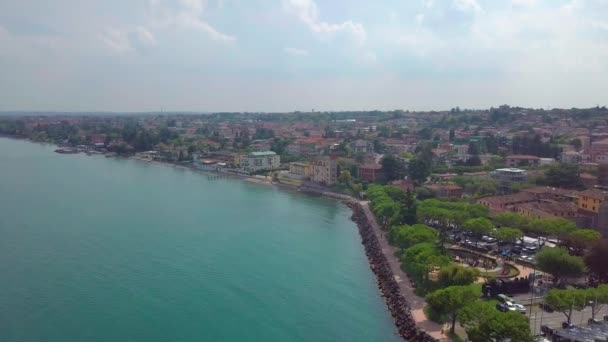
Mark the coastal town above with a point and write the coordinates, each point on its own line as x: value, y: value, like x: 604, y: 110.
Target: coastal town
x: 468, y: 217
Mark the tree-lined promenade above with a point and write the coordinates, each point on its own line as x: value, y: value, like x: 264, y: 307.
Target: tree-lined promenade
x: 420, y: 230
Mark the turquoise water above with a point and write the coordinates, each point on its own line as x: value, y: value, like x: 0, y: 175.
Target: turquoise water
x: 98, y: 249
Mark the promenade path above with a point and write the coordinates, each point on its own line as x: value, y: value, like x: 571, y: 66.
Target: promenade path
x: 416, y: 303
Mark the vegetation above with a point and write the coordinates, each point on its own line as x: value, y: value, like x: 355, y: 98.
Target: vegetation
x: 451, y: 300
x: 559, y: 263
x: 483, y: 323
x: 566, y: 301
x: 405, y: 237
x: 508, y: 235
x: 454, y: 274
x: 597, y: 260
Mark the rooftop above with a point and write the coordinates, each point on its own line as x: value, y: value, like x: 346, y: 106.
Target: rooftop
x: 263, y: 154
x: 595, y: 193
x: 510, y: 170
x: 522, y: 156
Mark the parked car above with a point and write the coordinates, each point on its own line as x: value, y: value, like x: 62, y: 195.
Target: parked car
x: 501, y: 307
x: 503, y: 298
x: 515, y: 307
x: 546, y: 307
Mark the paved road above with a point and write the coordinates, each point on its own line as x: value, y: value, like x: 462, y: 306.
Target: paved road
x: 555, y: 319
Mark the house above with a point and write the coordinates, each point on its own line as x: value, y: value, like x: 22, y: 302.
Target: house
x: 538, y: 210
x: 447, y: 190
x: 507, y: 176
x: 369, y: 172
x: 260, y: 161
x: 361, y: 146
x: 518, y: 160
x: 592, y: 199
x: 505, y: 203
x: 325, y: 171
x: 300, y: 169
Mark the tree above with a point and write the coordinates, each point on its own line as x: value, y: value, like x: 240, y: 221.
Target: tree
x: 559, y: 263
x: 510, y: 219
x: 450, y: 300
x: 508, y: 235
x: 452, y: 134
x: 566, y: 175
x: 457, y: 275
x: 596, y: 298
x: 566, y: 301
x: 478, y: 226
x: 408, y: 208
x: 580, y: 239
x: 419, y: 170
x: 407, y: 236
x: 597, y: 260
x: 392, y: 168
x: 483, y: 323
x: 345, y: 177
x: 421, y: 259
x: 576, y: 143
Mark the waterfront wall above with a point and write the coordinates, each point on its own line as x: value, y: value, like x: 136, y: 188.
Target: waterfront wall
x: 396, y: 303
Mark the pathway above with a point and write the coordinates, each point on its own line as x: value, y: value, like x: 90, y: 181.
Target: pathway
x: 416, y: 303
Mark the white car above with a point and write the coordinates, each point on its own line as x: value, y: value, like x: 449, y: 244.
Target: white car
x: 515, y: 307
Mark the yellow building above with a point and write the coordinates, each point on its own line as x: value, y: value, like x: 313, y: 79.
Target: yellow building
x: 591, y: 199
x: 300, y: 169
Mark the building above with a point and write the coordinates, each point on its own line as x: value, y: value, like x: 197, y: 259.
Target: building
x: 447, y: 190
x: 260, y: 161
x: 591, y: 200
x: 498, y: 204
x: 361, y: 146
x: 369, y: 172
x: 518, y: 160
x: 507, y: 176
x: 538, y: 210
x: 325, y: 171
x: 300, y: 169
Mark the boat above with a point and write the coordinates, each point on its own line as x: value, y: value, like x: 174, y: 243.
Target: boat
x: 66, y: 151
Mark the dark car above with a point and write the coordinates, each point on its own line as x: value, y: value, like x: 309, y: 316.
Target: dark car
x: 501, y: 307
x: 546, y: 307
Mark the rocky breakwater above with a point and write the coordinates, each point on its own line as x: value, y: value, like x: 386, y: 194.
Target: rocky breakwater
x: 395, y: 302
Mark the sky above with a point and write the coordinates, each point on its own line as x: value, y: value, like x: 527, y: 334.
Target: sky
x: 287, y: 55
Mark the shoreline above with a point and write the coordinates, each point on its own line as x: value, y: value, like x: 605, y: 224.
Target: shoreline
x: 408, y: 326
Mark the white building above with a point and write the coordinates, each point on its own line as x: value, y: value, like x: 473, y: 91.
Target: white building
x: 261, y: 161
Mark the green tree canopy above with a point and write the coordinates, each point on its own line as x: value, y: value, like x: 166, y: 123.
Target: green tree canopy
x: 418, y: 170
x: 559, y: 263
x: 483, y: 323
x: 478, y: 226
x: 506, y: 234
x: 406, y: 236
x: 421, y: 259
x: 450, y: 300
x: 511, y: 219
x: 565, y: 175
x: 581, y: 239
x: 566, y: 301
x: 454, y: 274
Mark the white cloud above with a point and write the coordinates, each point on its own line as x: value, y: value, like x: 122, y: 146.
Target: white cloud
x: 296, y: 52
x: 308, y: 13
x: 187, y: 17
x: 116, y: 40
x: 467, y: 5
x: 144, y: 36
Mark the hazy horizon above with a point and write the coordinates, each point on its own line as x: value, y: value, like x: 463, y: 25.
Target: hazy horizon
x: 299, y: 55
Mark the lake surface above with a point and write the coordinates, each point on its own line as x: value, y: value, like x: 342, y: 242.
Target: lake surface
x: 100, y: 249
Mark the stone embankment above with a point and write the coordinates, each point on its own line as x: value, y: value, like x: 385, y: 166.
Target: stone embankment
x: 396, y: 303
